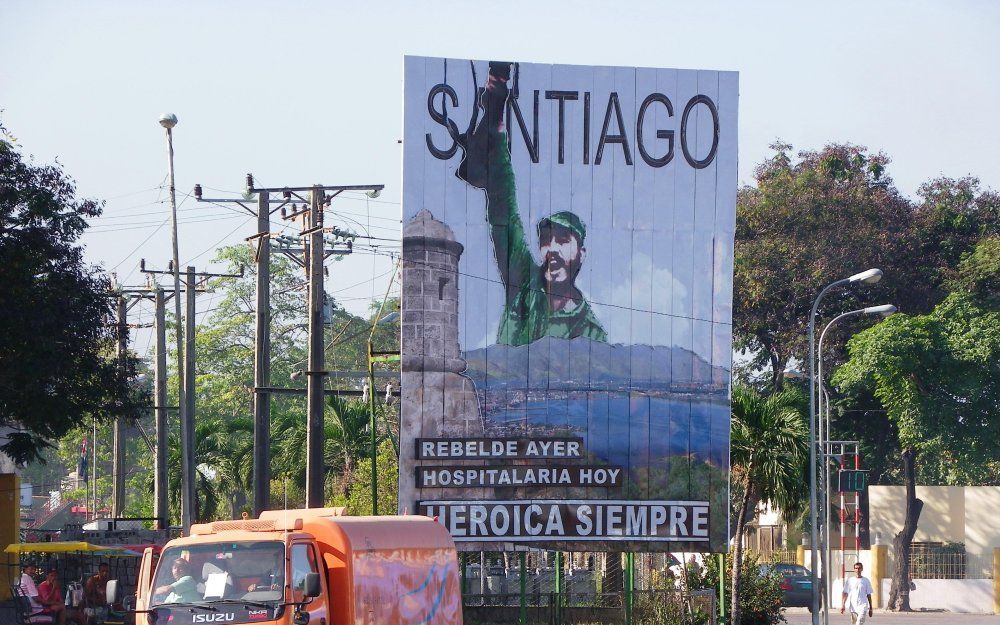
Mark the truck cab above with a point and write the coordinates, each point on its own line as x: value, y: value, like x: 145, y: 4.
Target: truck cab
x: 303, y: 567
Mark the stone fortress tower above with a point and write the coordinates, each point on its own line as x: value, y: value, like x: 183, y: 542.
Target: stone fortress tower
x: 437, y: 400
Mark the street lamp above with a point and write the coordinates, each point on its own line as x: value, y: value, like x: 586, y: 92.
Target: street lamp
x: 869, y: 276
x: 824, y: 437
x: 168, y: 121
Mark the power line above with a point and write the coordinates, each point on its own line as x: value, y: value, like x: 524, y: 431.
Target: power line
x: 539, y: 290
x: 216, y: 244
x: 140, y: 225
x: 144, y: 241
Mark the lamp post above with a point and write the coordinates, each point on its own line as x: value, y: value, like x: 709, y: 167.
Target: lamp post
x: 824, y: 438
x: 870, y: 276
x: 168, y: 121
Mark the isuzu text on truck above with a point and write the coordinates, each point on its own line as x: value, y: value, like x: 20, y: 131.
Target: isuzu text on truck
x: 304, y: 567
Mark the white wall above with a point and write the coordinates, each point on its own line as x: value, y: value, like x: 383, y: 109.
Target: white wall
x: 953, y: 595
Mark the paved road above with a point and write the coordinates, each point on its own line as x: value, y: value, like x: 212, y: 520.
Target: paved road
x: 800, y: 616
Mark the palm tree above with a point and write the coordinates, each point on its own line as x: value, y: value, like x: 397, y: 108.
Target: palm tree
x: 346, y: 440
x: 768, y: 449
x: 229, y: 448
x: 206, y: 495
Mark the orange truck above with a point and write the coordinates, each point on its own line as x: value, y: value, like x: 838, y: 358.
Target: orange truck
x: 303, y: 567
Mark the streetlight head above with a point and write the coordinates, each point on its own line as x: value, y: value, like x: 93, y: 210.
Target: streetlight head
x: 885, y: 310
x: 868, y: 277
x: 168, y: 120
x: 374, y: 193
x: 389, y: 318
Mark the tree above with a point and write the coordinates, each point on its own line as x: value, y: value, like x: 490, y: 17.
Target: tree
x: 357, y: 496
x: 828, y: 215
x: 55, y: 335
x: 953, y: 217
x: 769, y: 448
x: 831, y: 214
x: 207, y: 494
x: 936, y: 374
x: 759, y: 593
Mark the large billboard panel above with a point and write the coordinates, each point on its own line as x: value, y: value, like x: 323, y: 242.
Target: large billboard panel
x: 567, y: 303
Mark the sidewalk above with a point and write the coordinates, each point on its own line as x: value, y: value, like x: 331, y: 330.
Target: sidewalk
x: 801, y: 616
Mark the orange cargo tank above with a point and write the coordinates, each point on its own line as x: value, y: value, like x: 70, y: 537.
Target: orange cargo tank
x: 304, y: 566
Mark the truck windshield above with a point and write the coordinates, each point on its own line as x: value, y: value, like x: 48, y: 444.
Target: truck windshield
x: 252, y: 572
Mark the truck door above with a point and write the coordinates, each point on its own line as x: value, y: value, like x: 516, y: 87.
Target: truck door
x: 145, y: 578
x: 306, y: 560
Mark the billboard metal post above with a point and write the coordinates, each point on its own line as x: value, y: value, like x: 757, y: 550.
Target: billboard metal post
x: 629, y: 586
x: 522, y: 564
x: 559, y: 586
x: 722, y: 587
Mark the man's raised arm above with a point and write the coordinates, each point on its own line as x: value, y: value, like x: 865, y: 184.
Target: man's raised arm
x: 487, y: 166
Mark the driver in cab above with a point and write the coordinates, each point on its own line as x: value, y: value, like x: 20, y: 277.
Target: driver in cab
x: 184, y: 588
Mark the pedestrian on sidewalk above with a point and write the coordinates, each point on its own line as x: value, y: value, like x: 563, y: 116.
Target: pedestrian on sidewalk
x: 857, y: 596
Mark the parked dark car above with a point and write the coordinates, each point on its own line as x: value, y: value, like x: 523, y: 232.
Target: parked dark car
x: 796, y: 584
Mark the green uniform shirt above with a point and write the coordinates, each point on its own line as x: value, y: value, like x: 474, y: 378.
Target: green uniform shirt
x: 527, y: 315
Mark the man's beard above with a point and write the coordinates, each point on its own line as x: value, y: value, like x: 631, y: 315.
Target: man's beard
x: 554, y: 263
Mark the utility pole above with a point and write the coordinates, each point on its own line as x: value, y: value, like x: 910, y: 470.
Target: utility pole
x: 373, y: 357
x: 126, y: 298
x: 194, y: 283
x: 315, y: 402
x: 160, y: 510
x: 118, y: 445
x: 261, y: 481
x: 313, y: 253
x: 187, y: 381
x: 262, y: 360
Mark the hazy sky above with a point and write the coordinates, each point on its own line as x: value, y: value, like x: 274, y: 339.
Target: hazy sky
x: 307, y: 92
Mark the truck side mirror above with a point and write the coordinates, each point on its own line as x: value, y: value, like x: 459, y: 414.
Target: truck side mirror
x: 111, y: 591
x: 311, y: 585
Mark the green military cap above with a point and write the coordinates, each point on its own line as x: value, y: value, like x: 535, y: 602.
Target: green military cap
x: 566, y: 219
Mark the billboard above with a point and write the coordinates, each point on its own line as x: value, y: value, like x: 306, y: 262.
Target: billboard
x: 567, y: 303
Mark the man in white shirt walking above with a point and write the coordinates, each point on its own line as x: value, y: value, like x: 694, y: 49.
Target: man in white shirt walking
x: 857, y: 597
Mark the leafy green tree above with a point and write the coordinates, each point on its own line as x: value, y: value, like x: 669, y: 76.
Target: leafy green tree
x: 979, y: 273
x: 225, y: 381
x: 55, y: 335
x: 952, y: 218
x: 231, y: 462
x: 828, y: 214
x: 758, y: 595
x: 769, y: 448
x: 936, y: 374
x: 806, y: 223
x: 358, y: 495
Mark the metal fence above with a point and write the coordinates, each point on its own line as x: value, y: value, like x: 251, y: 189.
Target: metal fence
x: 573, y: 588
x: 783, y: 556
x: 943, y: 565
